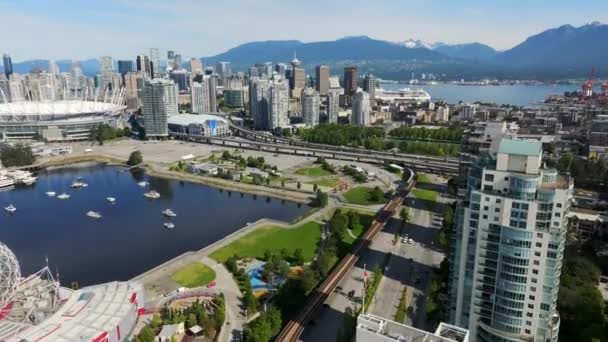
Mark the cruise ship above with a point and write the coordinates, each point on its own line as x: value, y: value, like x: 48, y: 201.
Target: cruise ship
x: 403, y: 95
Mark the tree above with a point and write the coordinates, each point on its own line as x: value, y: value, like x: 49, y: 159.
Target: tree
x: 376, y: 195
x: 267, y: 181
x: 226, y: 155
x: 135, y: 158
x: 282, y: 183
x: 191, y: 321
x: 17, y: 155
x: 404, y: 214
x: 299, y: 185
x: 298, y: 256
x: 315, y: 187
x: 264, y: 327
x: 146, y: 334
x: 156, y: 322
x: 322, y: 199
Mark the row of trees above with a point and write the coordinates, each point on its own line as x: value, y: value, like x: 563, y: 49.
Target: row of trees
x: 341, y: 135
x: 17, y: 155
x: 421, y: 133
x: 587, y: 173
x: 264, y: 327
x: 359, y: 177
x: 105, y: 132
x: 242, y: 279
x: 429, y: 148
x: 210, y: 317
x: 325, y: 165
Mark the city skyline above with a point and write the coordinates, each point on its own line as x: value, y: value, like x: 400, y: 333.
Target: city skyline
x: 124, y: 25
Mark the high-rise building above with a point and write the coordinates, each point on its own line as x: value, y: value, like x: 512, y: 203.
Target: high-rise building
x: 53, y: 68
x: 155, y: 61
x: 125, y: 67
x: 106, y: 68
x: 196, y: 66
x: 200, y: 96
x: 333, y: 101
x: 360, y: 108
x: 269, y: 103
x: 322, y: 79
x: 181, y: 79
x: 170, y: 59
x: 280, y: 68
x: 369, y: 85
x: 8, y: 65
x: 310, y: 106
x: 253, y: 72
x: 511, y: 225
x: 233, y: 98
x: 298, y: 78
x: 350, y: 80
x: 134, y: 82
x: 223, y: 69
x: 177, y: 62
x: 143, y: 65
x: 212, y: 84
x: 159, y: 102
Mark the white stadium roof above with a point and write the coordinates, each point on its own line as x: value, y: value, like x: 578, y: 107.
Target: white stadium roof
x: 60, y: 108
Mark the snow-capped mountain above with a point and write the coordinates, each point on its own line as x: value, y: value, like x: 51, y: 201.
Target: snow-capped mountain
x: 417, y: 43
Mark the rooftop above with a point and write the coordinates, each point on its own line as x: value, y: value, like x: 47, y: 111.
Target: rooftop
x: 186, y: 119
x: 520, y: 147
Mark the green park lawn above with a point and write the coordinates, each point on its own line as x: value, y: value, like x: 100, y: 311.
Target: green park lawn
x: 424, y: 194
x: 326, y: 182
x: 314, y: 171
x: 361, y: 195
x: 273, y: 239
x: 194, y: 275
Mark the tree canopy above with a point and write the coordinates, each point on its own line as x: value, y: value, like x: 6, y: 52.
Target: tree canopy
x: 17, y: 155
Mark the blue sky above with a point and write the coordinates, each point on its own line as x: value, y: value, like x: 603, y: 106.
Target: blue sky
x: 123, y: 28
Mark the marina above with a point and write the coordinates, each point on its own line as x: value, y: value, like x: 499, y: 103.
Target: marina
x: 92, y: 250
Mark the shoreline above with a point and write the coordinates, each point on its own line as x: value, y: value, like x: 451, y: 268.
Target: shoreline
x: 301, y: 197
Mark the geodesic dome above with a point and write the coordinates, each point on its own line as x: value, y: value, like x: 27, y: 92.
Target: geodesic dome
x: 9, y: 274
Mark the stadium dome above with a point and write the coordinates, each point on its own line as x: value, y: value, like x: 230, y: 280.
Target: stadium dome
x: 9, y: 274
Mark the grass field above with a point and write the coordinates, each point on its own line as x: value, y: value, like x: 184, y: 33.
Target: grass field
x: 314, y: 171
x: 361, y: 195
x: 326, y: 182
x: 273, y: 238
x: 194, y: 275
x: 424, y: 194
x: 424, y: 178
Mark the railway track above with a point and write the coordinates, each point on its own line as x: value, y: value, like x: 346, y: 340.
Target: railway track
x: 293, y: 329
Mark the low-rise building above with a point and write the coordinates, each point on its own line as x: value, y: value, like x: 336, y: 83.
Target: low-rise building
x: 198, y: 125
x: 169, y: 331
x: 371, y: 328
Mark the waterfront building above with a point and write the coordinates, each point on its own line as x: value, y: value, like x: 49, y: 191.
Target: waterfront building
x: 8, y: 65
x: 322, y: 79
x: 369, y: 85
x: 233, y: 97
x: 125, y: 67
x: 196, y: 66
x: 159, y: 97
x: 510, y: 234
x: 310, y: 107
x: 361, y: 108
x: 155, y: 61
x: 350, y: 80
x: 198, y: 125
x: 333, y: 101
x: 298, y: 78
x: 372, y: 328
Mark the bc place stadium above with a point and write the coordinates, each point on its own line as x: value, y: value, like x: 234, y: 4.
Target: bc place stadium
x: 37, y: 308
x: 58, y: 120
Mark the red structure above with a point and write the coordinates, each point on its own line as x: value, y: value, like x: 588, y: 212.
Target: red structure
x: 587, y: 87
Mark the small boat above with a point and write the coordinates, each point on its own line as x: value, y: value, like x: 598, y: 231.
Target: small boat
x: 94, y: 214
x: 11, y: 209
x: 169, y: 225
x: 169, y: 213
x: 111, y: 199
x: 84, y: 185
x: 29, y: 180
x: 63, y: 196
x: 77, y: 185
x: 143, y: 184
x: 51, y: 193
x: 152, y: 194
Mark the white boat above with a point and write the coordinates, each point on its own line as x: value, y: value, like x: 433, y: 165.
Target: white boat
x: 29, y: 180
x: 169, y: 225
x: 51, y: 193
x: 169, y: 213
x: 6, y: 182
x: 84, y: 185
x: 11, y: 209
x: 63, y: 196
x: 94, y: 214
x: 111, y: 199
x: 18, y: 175
x: 152, y: 194
x: 77, y: 184
x: 143, y: 184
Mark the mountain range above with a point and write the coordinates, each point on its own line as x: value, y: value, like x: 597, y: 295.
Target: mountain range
x: 562, y: 52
